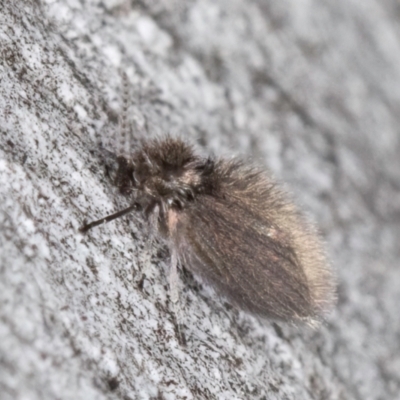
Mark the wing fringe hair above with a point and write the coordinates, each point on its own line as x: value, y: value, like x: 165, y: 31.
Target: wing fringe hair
x: 249, y: 240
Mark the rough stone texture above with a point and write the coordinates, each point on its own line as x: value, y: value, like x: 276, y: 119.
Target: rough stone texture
x: 310, y: 89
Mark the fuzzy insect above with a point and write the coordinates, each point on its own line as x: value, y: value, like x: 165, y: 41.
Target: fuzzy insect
x: 230, y: 224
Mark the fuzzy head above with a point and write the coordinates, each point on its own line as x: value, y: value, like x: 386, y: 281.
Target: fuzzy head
x: 165, y: 172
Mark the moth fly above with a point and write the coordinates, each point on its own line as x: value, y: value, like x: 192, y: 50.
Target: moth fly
x: 230, y: 224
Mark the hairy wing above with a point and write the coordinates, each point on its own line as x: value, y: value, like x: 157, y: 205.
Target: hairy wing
x: 245, y: 256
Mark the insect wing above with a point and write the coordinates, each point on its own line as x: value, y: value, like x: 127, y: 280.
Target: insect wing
x: 232, y: 248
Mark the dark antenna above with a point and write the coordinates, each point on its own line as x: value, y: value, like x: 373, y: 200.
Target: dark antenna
x: 109, y: 218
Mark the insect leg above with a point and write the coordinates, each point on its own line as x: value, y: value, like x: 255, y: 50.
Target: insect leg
x: 152, y: 212
x: 174, y: 289
x: 173, y: 280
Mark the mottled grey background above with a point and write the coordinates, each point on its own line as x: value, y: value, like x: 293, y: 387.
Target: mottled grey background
x: 310, y: 89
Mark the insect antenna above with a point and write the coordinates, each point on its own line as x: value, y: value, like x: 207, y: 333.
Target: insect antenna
x: 109, y: 218
x: 124, y: 145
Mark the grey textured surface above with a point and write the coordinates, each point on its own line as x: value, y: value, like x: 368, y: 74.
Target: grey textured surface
x: 310, y: 89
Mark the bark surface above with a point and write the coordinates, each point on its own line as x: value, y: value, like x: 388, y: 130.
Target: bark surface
x: 309, y: 89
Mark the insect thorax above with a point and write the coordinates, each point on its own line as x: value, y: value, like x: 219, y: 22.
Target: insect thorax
x: 166, y: 172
